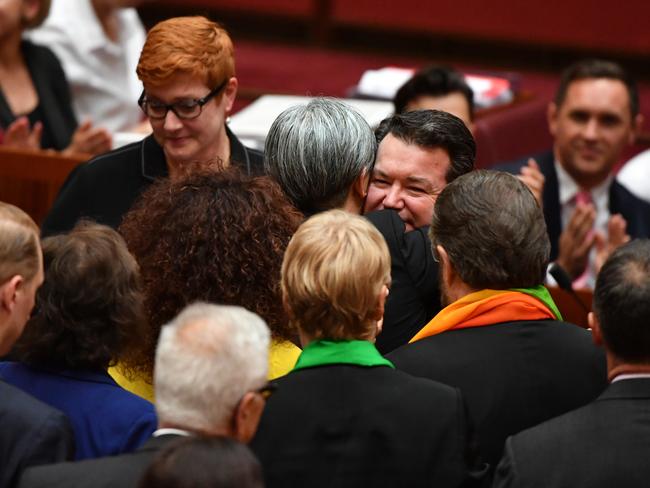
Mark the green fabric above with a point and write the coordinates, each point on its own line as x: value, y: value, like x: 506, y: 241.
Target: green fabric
x: 542, y: 294
x: 359, y: 353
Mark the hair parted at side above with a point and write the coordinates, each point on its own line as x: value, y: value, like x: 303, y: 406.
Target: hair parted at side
x: 593, y: 69
x: 493, y: 230
x: 89, y: 311
x: 212, y: 236
x: 190, y: 45
x: 20, y: 249
x: 435, y: 81
x: 621, y: 302
x: 434, y: 128
x: 192, y: 462
x: 332, y: 275
x: 317, y: 151
x: 207, y: 358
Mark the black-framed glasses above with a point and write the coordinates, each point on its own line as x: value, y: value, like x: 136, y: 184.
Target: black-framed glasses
x: 267, y: 390
x: 183, y: 109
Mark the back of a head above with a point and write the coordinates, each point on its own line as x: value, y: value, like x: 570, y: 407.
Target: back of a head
x: 207, y: 358
x: 199, y: 462
x: 190, y: 45
x: 434, y: 129
x: 493, y: 231
x: 19, y: 244
x: 317, y: 151
x: 217, y: 237
x: 89, y: 311
x: 434, y: 81
x: 333, y: 271
x: 621, y: 302
x: 587, y: 69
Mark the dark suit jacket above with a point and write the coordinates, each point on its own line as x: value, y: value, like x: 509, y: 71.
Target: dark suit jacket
x: 123, y: 471
x: 414, y: 297
x: 53, y: 95
x: 513, y: 375
x: 635, y: 211
x: 603, y: 444
x: 106, y: 187
x: 352, y: 426
x: 31, y: 433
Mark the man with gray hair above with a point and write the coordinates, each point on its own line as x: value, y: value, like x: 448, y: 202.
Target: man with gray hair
x: 500, y: 337
x: 210, y: 380
x: 321, y: 154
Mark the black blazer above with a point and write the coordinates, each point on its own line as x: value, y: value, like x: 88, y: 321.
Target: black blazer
x: 106, y: 187
x: 414, y: 297
x: 31, y: 433
x: 635, y: 211
x: 53, y: 95
x: 513, y: 375
x: 351, y: 426
x: 123, y: 471
x: 600, y: 445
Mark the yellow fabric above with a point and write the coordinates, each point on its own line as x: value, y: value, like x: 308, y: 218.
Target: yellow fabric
x: 138, y: 385
x: 282, y: 358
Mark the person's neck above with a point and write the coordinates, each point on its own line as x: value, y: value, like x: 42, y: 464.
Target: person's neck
x: 107, y: 17
x: 616, y: 367
x: 11, y: 54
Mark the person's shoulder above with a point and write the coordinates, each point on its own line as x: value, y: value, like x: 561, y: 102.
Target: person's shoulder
x: 38, y: 54
x: 25, y: 410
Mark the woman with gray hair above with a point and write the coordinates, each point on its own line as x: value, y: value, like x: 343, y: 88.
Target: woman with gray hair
x: 321, y: 154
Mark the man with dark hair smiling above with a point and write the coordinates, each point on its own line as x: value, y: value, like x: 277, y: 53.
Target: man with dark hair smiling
x: 604, y: 443
x: 500, y: 338
x: 594, y: 117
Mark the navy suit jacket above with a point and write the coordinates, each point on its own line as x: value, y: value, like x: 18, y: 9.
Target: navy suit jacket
x: 635, y: 211
x: 602, y: 444
x: 31, y: 433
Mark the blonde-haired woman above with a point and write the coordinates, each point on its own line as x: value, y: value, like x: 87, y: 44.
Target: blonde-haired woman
x: 344, y: 416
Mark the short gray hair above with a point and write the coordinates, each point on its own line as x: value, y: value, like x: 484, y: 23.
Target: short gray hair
x: 317, y: 151
x: 207, y: 358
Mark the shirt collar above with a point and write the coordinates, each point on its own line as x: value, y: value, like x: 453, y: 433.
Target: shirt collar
x: 630, y: 376
x: 171, y: 431
x: 324, y: 352
x: 568, y: 188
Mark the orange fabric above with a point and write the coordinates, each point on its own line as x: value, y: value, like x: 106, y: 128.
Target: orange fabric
x: 485, y: 307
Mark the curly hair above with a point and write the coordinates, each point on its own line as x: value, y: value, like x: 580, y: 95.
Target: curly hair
x: 89, y: 312
x: 216, y: 237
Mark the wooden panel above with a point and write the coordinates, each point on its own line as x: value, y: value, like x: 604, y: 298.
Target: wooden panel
x: 587, y: 24
x: 31, y: 179
x: 294, y: 8
x: 573, y: 310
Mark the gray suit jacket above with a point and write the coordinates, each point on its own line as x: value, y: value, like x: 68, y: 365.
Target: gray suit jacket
x: 602, y: 444
x: 122, y: 471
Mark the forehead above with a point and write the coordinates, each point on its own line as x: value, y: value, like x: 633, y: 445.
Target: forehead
x: 400, y: 160
x: 598, y: 95
x: 179, y: 85
x: 454, y: 103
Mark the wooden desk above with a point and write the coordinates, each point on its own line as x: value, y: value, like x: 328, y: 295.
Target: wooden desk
x: 31, y: 179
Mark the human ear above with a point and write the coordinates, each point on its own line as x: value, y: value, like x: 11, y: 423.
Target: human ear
x: 230, y: 93
x: 9, y: 292
x: 247, y: 417
x: 551, y: 118
x: 448, y: 272
x: 594, y: 325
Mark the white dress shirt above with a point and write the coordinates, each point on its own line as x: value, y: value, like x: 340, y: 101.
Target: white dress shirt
x: 101, y: 73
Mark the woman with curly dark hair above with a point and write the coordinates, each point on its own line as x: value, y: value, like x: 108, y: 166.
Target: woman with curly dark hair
x: 216, y: 237
x: 88, y: 316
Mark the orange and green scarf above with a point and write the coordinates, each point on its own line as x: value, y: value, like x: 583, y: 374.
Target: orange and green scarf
x: 489, y: 307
